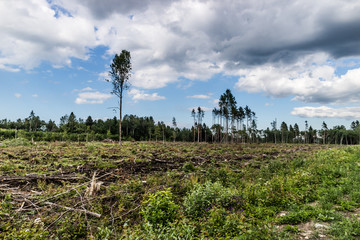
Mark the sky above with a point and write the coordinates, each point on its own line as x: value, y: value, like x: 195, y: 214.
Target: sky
x: 292, y: 61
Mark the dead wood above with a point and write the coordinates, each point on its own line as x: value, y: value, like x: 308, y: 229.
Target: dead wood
x: 74, y: 209
x: 161, y: 161
x: 33, y: 177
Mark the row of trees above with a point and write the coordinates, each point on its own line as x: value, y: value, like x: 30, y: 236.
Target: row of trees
x: 228, y: 126
x: 73, y: 128
x: 291, y: 134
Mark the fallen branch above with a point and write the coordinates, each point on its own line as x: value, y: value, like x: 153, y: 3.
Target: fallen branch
x: 129, y: 212
x: 162, y: 161
x: 36, y: 177
x: 72, y: 188
x: 74, y: 209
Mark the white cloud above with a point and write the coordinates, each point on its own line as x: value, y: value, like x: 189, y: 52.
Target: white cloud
x: 92, y: 97
x: 308, y: 82
x: 215, y: 102
x: 8, y: 68
x: 200, y: 96
x: 348, y: 113
x: 137, y: 95
x: 103, y: 76
x: 86, y: 89
x: 35, y: 95
x: 17, y: 95
x: 41, y: 34
x: 170, y: 40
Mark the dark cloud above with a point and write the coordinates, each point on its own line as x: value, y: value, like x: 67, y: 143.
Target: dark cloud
x: 283, y: 31
x: 248, y: 33
x: 104, y: 8
x: 338, y: 39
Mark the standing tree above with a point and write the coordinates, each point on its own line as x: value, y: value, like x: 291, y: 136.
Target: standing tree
x: 284, y: 132
x: 296, y: 132
x: 306, y: 132
x: 324, y: 131
x: 120, y: 73
x: 193, y: 115
x: 200, y: 116
x: 174, y: 126
x: 273, y: 125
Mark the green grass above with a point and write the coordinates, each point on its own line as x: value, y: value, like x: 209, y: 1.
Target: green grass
x: 177, y: 191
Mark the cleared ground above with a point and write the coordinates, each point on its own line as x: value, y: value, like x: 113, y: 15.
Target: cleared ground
x: 143, y: 190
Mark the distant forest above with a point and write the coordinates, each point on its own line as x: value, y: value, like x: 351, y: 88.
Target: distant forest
x: 230, y: 124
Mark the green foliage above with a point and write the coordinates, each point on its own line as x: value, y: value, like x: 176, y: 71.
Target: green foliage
x: 5, y: 205
x: 291, y: 229
x: 348, y: 228
x: 221, y: 175
x: 221, y: 223
x: 28, y: 232
x: 160, y: 208
x: 175, y: 230
x: 72, y: 228
x: 347, y: 206
x: 328, y: 215
x: 103, y: 233
x: 188, y: 167
x: 296, y: 217
x: 17, y: 142
x: 234, y: 192
x: 201, y: 198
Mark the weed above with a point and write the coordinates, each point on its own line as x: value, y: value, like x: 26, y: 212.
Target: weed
x: 160, y: 208
x: 188, y: 167
x: 291, y: 229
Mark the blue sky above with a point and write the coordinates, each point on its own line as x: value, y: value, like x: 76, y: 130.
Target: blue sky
x: 290, y: 61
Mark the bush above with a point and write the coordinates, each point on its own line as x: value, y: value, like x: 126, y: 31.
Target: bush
x: 17, y: 142
x: 200, y: 200
x: 188, y: 167
x: 160, y: 208
x: 349, y: 228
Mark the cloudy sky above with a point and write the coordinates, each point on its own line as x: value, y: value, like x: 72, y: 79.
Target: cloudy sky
x: 287, y: 60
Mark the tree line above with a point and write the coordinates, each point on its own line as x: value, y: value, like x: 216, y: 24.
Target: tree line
x: 231, y: 124
x: 71, y: 128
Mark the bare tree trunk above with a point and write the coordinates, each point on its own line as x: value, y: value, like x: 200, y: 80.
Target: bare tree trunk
x: 275, y: 136
x: 198, y: 133
x: 205, y: 135
x: 164, y: 134
x: 120, y: 117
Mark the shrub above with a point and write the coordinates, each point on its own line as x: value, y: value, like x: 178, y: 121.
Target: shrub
x: 160, y: 208
x: 349, y: 228
x: 296, y: 217
x: 17, y: 142
x: 221, y: 224
x: 188, y: 167
x: 200, y: 200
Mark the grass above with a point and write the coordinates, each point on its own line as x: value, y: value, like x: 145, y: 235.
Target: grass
x: 152, y: 190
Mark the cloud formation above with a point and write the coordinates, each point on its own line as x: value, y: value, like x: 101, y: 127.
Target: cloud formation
x: 90, y: 96
x: 347, y: 113
x: 278, y: 47
x: 315, y: 84
x: 137, y: 95
x: 200, y: 96
x: 31, y: 32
